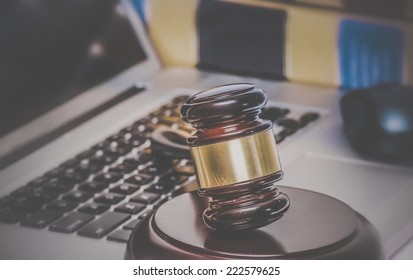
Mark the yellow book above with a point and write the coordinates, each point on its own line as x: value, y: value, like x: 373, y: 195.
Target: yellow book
x: 325, y: 3
x: 172, y: 28
x: 311, y: 53
x: 316, y: 51
x: 311, y: 46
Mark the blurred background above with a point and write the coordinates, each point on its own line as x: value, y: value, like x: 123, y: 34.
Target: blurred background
x: 337, y: 43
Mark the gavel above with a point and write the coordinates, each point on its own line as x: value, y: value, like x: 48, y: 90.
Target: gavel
x: 235, y: 157
x: 237, y: 167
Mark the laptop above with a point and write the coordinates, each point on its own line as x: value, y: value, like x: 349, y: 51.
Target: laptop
x: 78, y: 171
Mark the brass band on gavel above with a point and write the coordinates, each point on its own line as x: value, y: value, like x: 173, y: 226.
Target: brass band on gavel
x: 236, y: 160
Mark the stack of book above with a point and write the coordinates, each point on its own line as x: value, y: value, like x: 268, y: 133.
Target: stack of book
x: 340, y: 43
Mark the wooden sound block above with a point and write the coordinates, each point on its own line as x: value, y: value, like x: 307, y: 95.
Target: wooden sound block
x: 315, y: 227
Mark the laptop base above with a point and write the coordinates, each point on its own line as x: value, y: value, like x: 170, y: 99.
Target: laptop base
x: 315, y: 227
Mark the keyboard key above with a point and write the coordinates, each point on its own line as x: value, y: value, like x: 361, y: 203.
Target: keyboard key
x: 114, y: 137
x: 85, y: 154
x: 93, y: 187
x: 120, y: 235
x: 99, y: 147
x: 22, y: 191
x: 126, y: 130
x: 169, y: 110
x: 145, y: 198
x: 69, y: 175
x: 115, y: 150
x: 103, y: 225
x: 74, y: 175
x: 102, y: 154
x: 287, y: 132
x: 41, y: 218
x: 62, y: 206
x: 77, y: 196
x: 88, y: 167
x: 11, y: 217
x: 168, y: 120
x: 155, y: 115
x: 55, y: 172
x: 173, y: 178
x: 122, y: 169
x: 34, y: 189
x: 6, y: 201
x: 42, y: 197
x: 307, y: 118
x: 130, y: 208
x: 139, y: 179
x: 109, y: 198
x: 160, y: 188
x: 71, y: 222
x: 133, y: 140
x: 187, y: 170
x: 102, y: 158
x: 138, y: 159
x: 153, y: 170
x: 70, y: 163
x: 124, y: 189
x: 26, y: 206
x: 38, y: 181
x: 118, y: 149
x: 132, y: 224
x: 143, y: 126
x: 123, y: 144
x: 94, y: 208
x: 289, y: 124
x: 56, y: 186
x: 108, y: 177
x: 274, y: 113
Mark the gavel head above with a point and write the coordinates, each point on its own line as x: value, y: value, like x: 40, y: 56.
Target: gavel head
x: 235, y: 157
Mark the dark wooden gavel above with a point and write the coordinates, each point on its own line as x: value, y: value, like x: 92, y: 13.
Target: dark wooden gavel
x: 235, y: 157
x: 237, y: 166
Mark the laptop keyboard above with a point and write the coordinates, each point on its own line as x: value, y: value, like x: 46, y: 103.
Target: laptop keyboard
x: 107, y: 190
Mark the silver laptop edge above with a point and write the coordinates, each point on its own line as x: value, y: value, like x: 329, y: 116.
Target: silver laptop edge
x: 88, y: 100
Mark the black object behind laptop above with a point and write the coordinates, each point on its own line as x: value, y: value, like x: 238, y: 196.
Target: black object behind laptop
x: 378, y: 121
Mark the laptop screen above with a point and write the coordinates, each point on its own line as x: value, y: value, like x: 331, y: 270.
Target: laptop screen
x: 51, y: 51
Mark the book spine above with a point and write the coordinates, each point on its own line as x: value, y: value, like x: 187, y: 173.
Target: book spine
x: 172, y: 27
x: 311, y: 50
x: 321, y: 46
x: 342, y: 49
